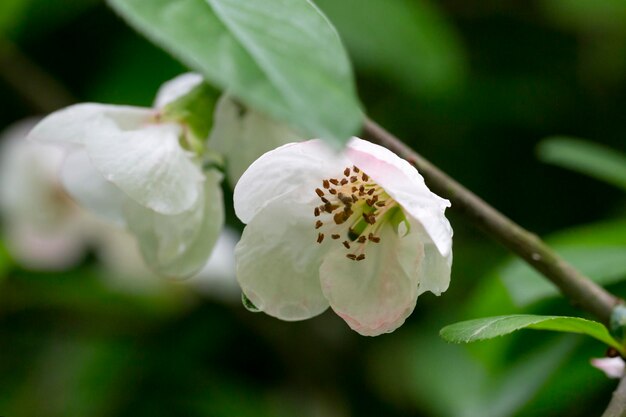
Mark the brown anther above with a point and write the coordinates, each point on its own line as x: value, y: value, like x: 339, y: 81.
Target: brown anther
x: 354, y: 189
x: 355, y: 198
x: 353, y: 179
x: 365, y: 177
x: 319, y: 192
x: 339, y: 218
x: 362, y: 189
x: 324, y: 200
x: 326, y: 184
x: 346, y: 244
x: 369, y: 218
x: 369, y: 202
x: 335, y: 236
x: 332, y: 191
x: 316, y: 211
x: 374, y: 199
x: 343, y: 181
x: 334, y: 181
x: 318, y: 224
x: 360, y: 257
x: 355, y: 169
x: 374, y: 239
x: 329, y: 208
x: 351, y: 256
x: 345, y: 199
x: 372, y: 191
x: 361, y: 239
x: 320, y: 237
x: 346, y: 172
x: 347, y: 212
x: 380, y: 203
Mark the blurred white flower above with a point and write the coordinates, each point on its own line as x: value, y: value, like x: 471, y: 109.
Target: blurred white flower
x: 360, y: 232
x: 612, y: 367
x: 142, y: 170
x: 43, y: 228
x: 242, y: 134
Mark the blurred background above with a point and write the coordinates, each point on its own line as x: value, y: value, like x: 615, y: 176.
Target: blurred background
x: 523, y: 102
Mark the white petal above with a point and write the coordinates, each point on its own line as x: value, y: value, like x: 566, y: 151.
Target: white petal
x: 295, y: 166
x: 75, y: 124
x: 405, y: 185
x: 242, y: 135
x: 278, y: 261
x: 377, y: 294
x: 612, y: 367
x: 435, y: 269
x: 174, y: 89
x: 149, y: 165
x: 89, y: 188
x: 179, y: 245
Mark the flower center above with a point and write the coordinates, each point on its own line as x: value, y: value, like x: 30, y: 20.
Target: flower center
x: 353, y: 209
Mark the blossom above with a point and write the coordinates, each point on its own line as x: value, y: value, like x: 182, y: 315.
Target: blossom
x: 359, y: 231
x: 612, y: 367
x: 142, y: 168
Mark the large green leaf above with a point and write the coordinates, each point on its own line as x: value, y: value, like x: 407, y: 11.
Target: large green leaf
x: 595, y: 160
x: 490, y: 327
x: 409, y: 42
x: 598, y: 251
x: 280, y: 57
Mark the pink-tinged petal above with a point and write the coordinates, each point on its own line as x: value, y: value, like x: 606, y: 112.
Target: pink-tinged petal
x: 175, y: 88
x: 149, y: 165
x: 405, y: 185
x: 278, y: 260
x: 294, y: 166
x: 375, y: 295
x: 612, y: 367
x: 75, y: 124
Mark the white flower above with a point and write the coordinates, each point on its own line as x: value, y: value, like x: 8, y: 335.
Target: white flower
x: 135, y: 167
x: 242, y: 134
x: 612, y: 367
x: 43, y: 228
x: 360, y: 232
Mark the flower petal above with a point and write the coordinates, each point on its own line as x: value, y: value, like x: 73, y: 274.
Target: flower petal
x: 174, y: 89
x: 294, y: 166
x: 435, y: 269
x: 612, y: 367
x: 405, y: 185
x: 149, y: 165
x: 75, y: 124
x: 89, y: 188
x: 179, y: 245
x: 277, y: 263
x: 242, y: 135
x: 377, y: 294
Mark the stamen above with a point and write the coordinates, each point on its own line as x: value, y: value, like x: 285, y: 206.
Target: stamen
x: 380, y: 203
x: 365, y: 177
x: 339, y: 218
x: 370, y: 192
x: 351, y: 256
x: 355, y: 169
x: 355, y: 198
x: 354, y: 189
x: 316, y: 211
x: 334, y: 181
x: 335, y: 236
x: 343, y: 181
x: 332, y: 191
x: 346, y: 172
x: 319, y: 192
x: 346, y: 244
x: 326, y: 184
x: 324, y: 200
x: 353, y: 179
x: 344, y: 199
x: 373, y: 238
x: 360, y: 257
x: 361, y: 239
x: 320, y: 237
x: 318, y: 224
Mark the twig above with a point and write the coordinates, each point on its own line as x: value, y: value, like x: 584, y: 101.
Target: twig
x: 42, y: 92
x: 578, y: 288
x: 617, y: 406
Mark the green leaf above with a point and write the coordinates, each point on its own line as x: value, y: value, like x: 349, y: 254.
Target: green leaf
x: 282, y: 58
x: 490, y: 327
x: 598, y: 251
x: 588, y: 158
x: 10, y: 13
x: 409, y: 42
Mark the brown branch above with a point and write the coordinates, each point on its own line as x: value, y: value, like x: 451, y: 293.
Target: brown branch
x: 574, y: 285
x: 617, y: 406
